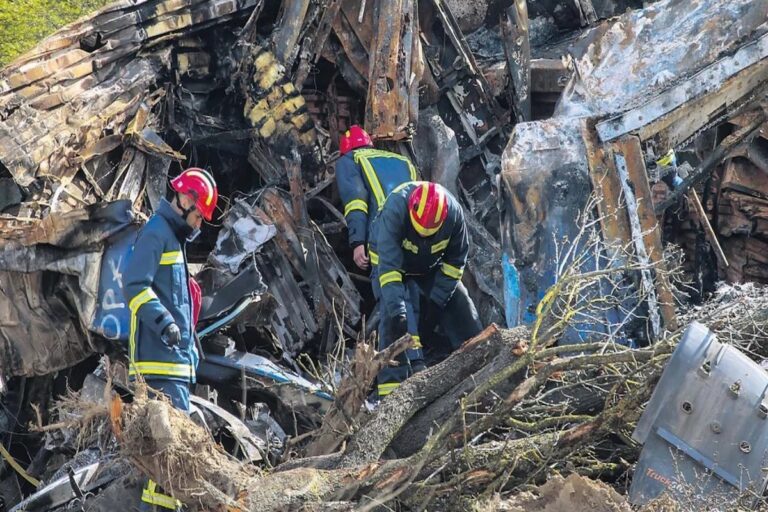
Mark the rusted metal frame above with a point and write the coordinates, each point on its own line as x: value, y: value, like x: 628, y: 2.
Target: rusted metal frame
x: 354, y: 47
x: 731, y: 143
x: 693, y: 199
x: 641, y: 252
x: 306, y: 235
x: 649, y: 250
x: 314, y: 44
x: 614, y: 225
x: 249, y: 32
x: 517, y: 49
x: 452, y: 30
x: 709, y: 79
x: 286, y: 34
x: 587, y: 12
x: 387, y: 113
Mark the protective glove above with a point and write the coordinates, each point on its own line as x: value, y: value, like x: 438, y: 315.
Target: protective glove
x: 171, y: 335
x: 398, y: 327
x: 417, y: 366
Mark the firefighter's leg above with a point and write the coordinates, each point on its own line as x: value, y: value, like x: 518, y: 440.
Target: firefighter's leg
x: 459, y: 319
x: 390, y: 377
x: 416, y: 354
x: 177, y: 391
x: 153, y: 498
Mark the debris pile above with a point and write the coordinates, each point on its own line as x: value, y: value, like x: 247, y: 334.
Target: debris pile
x: 585, y: 141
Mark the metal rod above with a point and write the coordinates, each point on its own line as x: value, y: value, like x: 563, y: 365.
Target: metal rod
x: 693, y: 197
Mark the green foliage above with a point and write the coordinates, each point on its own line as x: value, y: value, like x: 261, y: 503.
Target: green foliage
x: 23, y: 23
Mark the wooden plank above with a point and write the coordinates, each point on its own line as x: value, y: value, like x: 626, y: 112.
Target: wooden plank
x: 630, y: 148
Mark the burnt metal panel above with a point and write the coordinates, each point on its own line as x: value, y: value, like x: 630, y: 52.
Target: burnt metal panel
x: 392, y: 80
x: 705, y: 428
x: 517, y: 48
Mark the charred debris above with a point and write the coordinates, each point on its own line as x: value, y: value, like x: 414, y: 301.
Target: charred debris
x: 611, y: 157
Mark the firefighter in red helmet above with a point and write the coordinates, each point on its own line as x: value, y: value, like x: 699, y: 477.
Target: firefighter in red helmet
x: 421, y: 240
x: 161, y: 303
x: 365, y: 177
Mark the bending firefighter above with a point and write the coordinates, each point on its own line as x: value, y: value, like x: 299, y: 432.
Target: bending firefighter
x: 157, y: 288
x: 421, y: 240
x: 365, y: 177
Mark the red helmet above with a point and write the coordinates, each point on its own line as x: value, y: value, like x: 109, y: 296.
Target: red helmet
x: 200, y: 184
x: 354, y: 138
x: 428, y: 207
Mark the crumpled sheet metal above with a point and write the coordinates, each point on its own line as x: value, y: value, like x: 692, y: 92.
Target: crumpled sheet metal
x: 641, y: 53
x: 60, y: 98
x: 545, y: 186
x: 49, y: 289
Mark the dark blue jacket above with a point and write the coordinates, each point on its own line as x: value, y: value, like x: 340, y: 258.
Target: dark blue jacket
x: 365, y: 178
x: 399, y: 250
x: 156, y: 287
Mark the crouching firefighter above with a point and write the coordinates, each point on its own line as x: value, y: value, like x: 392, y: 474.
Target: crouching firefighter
x: 157, y: 288
x: 421, y: 240
x: 365, y: 177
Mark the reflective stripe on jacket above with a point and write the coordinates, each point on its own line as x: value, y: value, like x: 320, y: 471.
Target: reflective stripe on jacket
x: 365, y: 178
x: 156, y: 287
x: 399, y: 250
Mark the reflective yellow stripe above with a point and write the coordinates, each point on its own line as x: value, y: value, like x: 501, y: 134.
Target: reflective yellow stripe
x: 141, y: 298
x: 451, y: 271
x: 171, y: 258
x: 387, y: 388
x: 374, y: 257
x: 161, y: 368
x: 423, y: 200
x: 354, y: 205
x: 440, y: 204
x: 410, y: 246
x: 416, y: 341
x: 421, y: 230
x: 440, y: 246
x: 370, y: 175
x: 390, y: 277
x: 151, y: 496
x: 362, y: 157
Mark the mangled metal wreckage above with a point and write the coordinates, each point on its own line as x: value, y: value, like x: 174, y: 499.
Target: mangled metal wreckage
x: 92, y: 123
x: 691, y: 76
x: 95, y: 119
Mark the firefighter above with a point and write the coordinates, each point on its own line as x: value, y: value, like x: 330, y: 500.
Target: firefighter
x: 421, y: 239
x: 157, y: 288
x: 365, y: 177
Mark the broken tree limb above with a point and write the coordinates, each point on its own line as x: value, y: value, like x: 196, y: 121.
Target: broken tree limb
x: 398, y: 408
x: 341, y: 419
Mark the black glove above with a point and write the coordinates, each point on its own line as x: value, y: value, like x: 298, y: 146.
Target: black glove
x: 398, y: 327
x: 171, y: 335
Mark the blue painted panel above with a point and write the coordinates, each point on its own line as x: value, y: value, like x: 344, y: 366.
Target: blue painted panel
x: 112, y: 319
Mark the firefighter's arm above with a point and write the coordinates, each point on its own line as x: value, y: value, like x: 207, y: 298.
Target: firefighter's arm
x: 354, y: 197
x: 388, y: 244
x: 451, y: 268
x: 138, y: 277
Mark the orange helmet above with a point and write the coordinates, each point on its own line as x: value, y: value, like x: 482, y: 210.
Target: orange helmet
x: 428, y: 207
x: 354, y: 138
x: 200, y: 184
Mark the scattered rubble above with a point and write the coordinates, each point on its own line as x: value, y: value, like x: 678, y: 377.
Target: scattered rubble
x: 550, y: 121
